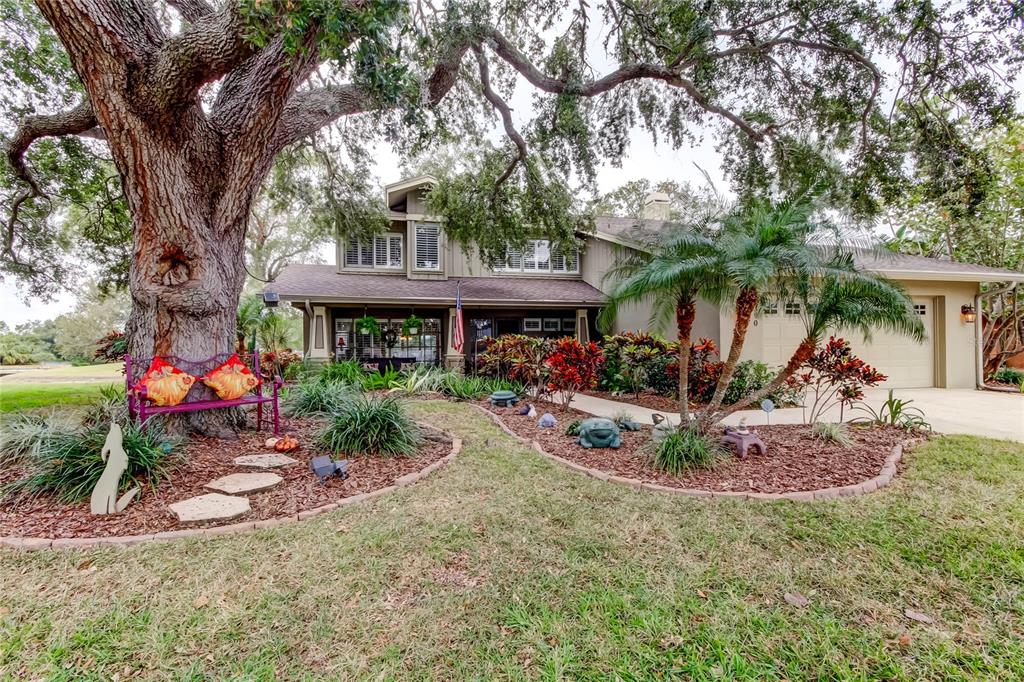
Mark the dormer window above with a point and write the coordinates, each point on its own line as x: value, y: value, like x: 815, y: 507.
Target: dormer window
x: 428, y: 246
x: 538, y: 257
x: 382, y: 252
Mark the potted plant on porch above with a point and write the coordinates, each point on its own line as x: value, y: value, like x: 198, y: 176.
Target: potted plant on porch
x: 412, y: 325
x: 367, y: 324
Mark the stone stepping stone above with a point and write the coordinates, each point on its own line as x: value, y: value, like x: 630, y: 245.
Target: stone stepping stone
x: 234, y: 484
x: 264, y: 461
x: 210, y: 507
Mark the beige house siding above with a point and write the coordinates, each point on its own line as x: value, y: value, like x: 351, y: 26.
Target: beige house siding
x: 951, y: 340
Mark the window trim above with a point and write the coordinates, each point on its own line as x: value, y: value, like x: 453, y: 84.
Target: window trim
x: 528, y: 254
x: 792, y: 308
x: 416, y: 247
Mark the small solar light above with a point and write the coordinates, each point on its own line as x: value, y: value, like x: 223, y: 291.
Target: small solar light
x: 271, y: 299
x: 324, y: 467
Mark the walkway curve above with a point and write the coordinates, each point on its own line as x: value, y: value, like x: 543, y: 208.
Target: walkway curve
x: 883, y: 478
x: 15, y: 542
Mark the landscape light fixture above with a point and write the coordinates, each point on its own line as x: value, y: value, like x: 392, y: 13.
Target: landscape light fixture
x: 968, y: 314
x: 271, y: 299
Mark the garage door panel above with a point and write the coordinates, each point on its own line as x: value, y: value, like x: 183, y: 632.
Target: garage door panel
x: 908, y: 364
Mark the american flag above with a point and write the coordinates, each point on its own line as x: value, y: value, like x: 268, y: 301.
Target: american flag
x: 459, y: 331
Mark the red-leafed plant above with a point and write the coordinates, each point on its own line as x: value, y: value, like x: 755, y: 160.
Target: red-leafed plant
x: 834, y: 375
x: 519, y: 358
x: 572, y: 367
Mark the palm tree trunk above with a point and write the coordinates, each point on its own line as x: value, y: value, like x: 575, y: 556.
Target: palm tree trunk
x: 800, y: 356
x: 746, y: 304
x: 686, y: 311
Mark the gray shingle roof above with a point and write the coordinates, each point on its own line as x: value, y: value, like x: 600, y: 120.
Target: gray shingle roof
x: 323, y: 282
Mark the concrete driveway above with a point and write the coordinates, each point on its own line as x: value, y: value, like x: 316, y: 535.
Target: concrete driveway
x: 949, y: 410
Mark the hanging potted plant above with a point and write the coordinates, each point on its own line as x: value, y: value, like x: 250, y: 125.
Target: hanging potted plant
x: 367, y: 324
x: 412, y: 325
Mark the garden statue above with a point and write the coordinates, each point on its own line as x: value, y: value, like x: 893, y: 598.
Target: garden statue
x: 598, y: 432
x: 104, y: 495
x: 524, y: 410
x: 743, y: 440
x: 547, y: 421
x: 504, y: 399
x: 662, y: 428
x: 628, y: 424
x: 741, y: 428
x: 323, y: 467
x: 532, y: 412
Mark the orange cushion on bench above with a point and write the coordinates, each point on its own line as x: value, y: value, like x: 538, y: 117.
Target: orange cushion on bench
x: 231, y: 380
x: 165, y: 384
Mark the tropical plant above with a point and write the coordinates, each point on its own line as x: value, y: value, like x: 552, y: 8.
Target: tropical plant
x: 705, y: 369
x: 343, y: 372
x: 64, y: 460
x: 685, y: 449
x: 750, y: 376
x: 835, y: 376
x: 573, y: 367
x: 248, y: 317
x: 371, y: 425
x: 419, y: 380
x: 831, y: 433
x: 676, y: 267
x: 518, y: 358
x: 280, y: 362
x: 843, y: 298
x: 895, y: 412
x: 316, y: 397
x: 379, y: 381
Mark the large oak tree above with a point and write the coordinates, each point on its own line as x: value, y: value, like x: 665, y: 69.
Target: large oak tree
x: 194, y: 99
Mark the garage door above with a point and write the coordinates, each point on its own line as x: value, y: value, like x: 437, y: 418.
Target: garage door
x: 907, y: 364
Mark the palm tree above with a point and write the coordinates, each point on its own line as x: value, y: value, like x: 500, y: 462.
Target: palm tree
x: 761, y: 247
x: 248, y: 319
x: 671, y: 271
x: 844, y: 299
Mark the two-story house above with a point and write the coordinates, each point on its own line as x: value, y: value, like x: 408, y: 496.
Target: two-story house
x: 414, y: 268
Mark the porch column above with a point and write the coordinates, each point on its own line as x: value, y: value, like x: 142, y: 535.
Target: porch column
x: 453, y: 359
x: 319, y: 347
x: 582, y: 326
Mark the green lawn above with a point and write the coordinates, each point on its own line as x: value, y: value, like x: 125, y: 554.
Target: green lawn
x: 506, y: 566
x: 17, y: 397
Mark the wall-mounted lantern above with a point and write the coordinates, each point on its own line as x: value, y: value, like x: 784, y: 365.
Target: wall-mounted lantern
x: 967, y: 314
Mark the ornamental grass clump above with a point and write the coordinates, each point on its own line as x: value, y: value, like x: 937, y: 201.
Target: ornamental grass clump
x: 310, y: 398
x: 831, y: 433
x: 65, y: 460
x: 344, y: 372
x: 685, y: 450
x: 371, y: 425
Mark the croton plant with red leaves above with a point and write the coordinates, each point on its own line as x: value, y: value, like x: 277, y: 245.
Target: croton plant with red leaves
x: 835, y: 373
x: 573, y: 367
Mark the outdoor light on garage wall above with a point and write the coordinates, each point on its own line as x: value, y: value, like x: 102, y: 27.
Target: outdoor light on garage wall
x: 968, y: 314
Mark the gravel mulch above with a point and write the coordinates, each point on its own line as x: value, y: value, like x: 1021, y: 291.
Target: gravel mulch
x: 796, y: 461
x: 204, y: 459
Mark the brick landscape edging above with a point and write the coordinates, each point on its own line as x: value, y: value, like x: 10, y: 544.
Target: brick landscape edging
x: 883, y: 478
x: 127, y: 540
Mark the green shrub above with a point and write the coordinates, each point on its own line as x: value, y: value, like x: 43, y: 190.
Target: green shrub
x: 895, y: 412
x: 375, y: 381
x: 374, y: 425
x: 316, y: 398
x: 684, y: 450
x: 831, y: 433
x: 749, y: 376
x: 24, y: 434
x: 573, y: 429
x: 1009, y: 375
x: 419, y: 380
x: 344, y: 372
x: 66, y: 462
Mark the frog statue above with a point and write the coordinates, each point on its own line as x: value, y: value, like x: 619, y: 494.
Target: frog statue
x: 598, y: 432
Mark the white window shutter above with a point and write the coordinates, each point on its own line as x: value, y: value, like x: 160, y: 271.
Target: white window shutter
x: 428, y: 247
x: 380, y: 252
x: 352, y: 252
x: 395, y: 251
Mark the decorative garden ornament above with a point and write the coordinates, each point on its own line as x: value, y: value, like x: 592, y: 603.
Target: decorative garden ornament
x: 323, y: 467
x: 524, y: 410
x: 662, y: 428
x: 547, y: 421
x: 741, y: 428
x: 598, y: 432
x: 767, y: 405
x: 104, y: 496
x: 504, y: 399
x: 532, y: 412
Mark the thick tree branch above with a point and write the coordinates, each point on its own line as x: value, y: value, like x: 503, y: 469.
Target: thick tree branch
x: 205, y: 50
x: 630, y: 72
x: 310, y: 110
x: 506, y: 117
x: 191, y: 10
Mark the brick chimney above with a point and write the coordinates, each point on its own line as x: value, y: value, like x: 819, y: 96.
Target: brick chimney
x: 656, y: 206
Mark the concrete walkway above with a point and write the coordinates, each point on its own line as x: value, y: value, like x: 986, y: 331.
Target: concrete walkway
x: 949, y: 410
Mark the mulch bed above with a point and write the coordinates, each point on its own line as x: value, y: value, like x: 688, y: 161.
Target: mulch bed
x: 204, y: 459
x: 796, y: 461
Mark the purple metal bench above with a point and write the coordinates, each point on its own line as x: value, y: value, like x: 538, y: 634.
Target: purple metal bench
x: 200, y: 397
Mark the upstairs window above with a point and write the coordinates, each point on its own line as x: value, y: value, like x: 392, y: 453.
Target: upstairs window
x: 538, y: 257
x: 428, y: 246
x: 383, y: 251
